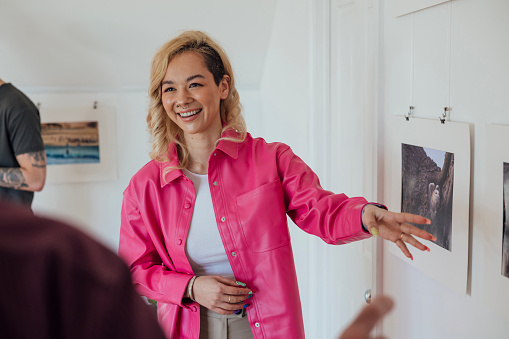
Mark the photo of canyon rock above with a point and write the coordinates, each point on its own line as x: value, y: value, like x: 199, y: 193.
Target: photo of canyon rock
x: 427, y: 189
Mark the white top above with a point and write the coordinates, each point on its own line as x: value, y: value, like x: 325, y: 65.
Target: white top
x: 204, y: 247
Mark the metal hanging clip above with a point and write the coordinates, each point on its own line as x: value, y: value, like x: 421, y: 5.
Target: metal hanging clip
x: 410, y: 112
x: 444, y: 115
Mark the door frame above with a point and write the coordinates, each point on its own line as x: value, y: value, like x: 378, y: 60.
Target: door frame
x: 319, y: 134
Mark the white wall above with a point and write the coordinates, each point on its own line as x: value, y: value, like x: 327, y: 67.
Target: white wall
x: 285, y: 83
x: 478, y: 95
x: 71, y: 43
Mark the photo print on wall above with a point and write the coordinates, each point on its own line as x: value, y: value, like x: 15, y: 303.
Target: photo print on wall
x: 71, y: 142
x: 505, y: 239
x: 427, y: 189
x: 493, y: 214
x: 80, y: 142
x: 431, y: 177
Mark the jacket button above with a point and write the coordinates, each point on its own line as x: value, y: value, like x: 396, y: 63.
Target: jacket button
x: 215, y: 183
x: 179, y: 242
x: 223, y: 219
x: 187, y: 205
x: 234, y: 254
x: 257, y: 324
x: 194, y: 308
x: 215, y: 154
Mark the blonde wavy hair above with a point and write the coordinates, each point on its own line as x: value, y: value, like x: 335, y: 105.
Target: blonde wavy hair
x: 162, y: 129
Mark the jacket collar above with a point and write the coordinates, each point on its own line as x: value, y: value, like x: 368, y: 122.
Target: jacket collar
x: 174, y: 162
x: 230, y: 148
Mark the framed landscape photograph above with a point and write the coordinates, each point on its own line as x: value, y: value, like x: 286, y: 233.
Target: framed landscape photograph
x: 80, y: 144
x: 429, y: 174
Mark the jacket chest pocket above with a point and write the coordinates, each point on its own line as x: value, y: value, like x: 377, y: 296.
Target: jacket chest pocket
x: 262, y: 217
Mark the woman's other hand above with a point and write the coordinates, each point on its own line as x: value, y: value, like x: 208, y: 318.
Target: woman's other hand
x: 395, y: 227
x: 219, y: 294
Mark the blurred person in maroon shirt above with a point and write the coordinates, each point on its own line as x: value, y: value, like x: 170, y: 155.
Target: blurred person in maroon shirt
x: 56, y: 282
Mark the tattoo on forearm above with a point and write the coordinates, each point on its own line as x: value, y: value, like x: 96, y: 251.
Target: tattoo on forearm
x: 13, y: 178
x: 38, y: 159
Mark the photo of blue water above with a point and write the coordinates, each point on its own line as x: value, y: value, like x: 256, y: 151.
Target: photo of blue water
x: 60, y: 155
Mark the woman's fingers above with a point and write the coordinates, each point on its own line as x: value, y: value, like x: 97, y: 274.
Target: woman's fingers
x: 224, y: 285
x: 399, y: 223
x: 401, y: 244
x: 231, y: 303
x: 233, y: 287
x: 226, y: 281
x: 406, y: 238
x: 409, y: 229
x: 396, y: 227
x: 222, y: 295
x: 234, y: 299
x: 392, y: 224
x: 412, y: 218
x: 414, y: 242
x: 236, y: 291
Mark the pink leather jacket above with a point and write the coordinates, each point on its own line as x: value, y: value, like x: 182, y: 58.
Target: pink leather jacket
x: 254, y: 185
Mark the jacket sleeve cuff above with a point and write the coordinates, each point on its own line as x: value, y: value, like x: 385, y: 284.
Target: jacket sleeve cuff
x: 177, y: 288
x: 364, y: 228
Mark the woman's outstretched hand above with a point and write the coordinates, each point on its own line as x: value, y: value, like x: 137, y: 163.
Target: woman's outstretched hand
x: 395, y: 227
x: 220, y: 294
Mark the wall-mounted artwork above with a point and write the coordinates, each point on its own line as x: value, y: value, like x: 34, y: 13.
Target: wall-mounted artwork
x: 402, y: 7
x: 493, y: 218
x: 80, y: 144
x: 429, y: 174
x: 71, y: 142
x: 427, y: 189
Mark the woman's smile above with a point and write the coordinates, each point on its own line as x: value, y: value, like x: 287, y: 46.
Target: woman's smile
x: 189, y: 113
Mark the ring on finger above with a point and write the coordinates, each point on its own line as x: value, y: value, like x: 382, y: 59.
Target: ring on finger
x: 401, y: 236
x: 374, y: 231
x: 229, y: 299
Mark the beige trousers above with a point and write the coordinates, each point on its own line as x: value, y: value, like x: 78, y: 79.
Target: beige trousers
x: 217, y: 326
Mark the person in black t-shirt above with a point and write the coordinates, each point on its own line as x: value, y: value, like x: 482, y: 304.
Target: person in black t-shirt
x: 22, y: 155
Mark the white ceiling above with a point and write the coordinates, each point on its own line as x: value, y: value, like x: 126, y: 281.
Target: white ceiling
x: 110, y: 43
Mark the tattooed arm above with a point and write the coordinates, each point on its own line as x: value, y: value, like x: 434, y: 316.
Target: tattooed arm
x: 30, y: 176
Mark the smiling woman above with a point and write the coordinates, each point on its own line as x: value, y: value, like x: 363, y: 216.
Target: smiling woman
x: 191, y: 98
x: 190, y: 49
x: 204, y: 224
